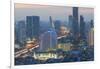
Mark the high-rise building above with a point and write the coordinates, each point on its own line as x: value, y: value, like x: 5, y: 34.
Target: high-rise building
x: 91, y: 37
x: 91, y: 24
x: 91, y: 34
x: 48, y: 40
x: 70, y: 22
x: 57, y: 24
x: 32, y: 26
x: 16, y: 32
x: 20, y: 32
x: 75, y: 24
x: 51, y: 22
x: 82, y: 27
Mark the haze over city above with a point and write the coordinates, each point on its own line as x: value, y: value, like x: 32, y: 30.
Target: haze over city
x: 53, y: 34
x: 44, y: 11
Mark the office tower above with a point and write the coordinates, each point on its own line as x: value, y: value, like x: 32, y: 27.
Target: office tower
x: 75, y: 24
x: 20, y: 32
x: 82, y: 27
x: 91, y: 34
x: 57, y: 24
x: 91, y: 24
x: 70, y: 22
x: 91, y: 37
x: 16, y: 32
x: 48, y: 40
x: 32, y: 26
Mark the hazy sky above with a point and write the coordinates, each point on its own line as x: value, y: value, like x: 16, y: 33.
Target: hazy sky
x: 44, y: 11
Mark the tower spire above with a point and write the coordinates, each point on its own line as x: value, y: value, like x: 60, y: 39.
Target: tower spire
x: 51, y: 22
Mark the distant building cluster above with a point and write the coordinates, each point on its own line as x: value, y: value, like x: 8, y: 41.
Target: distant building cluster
x: 56, y: 39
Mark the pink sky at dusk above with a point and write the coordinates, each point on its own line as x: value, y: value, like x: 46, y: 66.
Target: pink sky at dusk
x: 44, y: 11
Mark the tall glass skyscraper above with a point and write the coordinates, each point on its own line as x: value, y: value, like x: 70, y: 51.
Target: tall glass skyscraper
x: 20, y: 32
x: 75, y: 22
x: 82, y: 27
x: 91, y: 34
x: 48, y: 40
x: 32, y: 26
x: 57, y: 24
x: 70, y: 22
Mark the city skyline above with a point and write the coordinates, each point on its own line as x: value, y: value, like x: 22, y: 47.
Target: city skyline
x: 53, y: 34
x: 62, y: 12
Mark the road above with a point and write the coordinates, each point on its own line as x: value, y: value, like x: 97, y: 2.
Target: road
x: 25, y: 50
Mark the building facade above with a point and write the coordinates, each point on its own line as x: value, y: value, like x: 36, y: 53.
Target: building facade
x: 32, y: 26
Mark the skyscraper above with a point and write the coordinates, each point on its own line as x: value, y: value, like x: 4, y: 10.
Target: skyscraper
x: 57, y: 24
x: 70, y: 22
x: 32, y: 26
x: 51, y: 22
x: 91, y: 34
x: 91, y: 37
x: 75, y: 24
x: 48, y: 40
x: 82, y: 27
x: 91, y: 24
x: 20, y: 32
